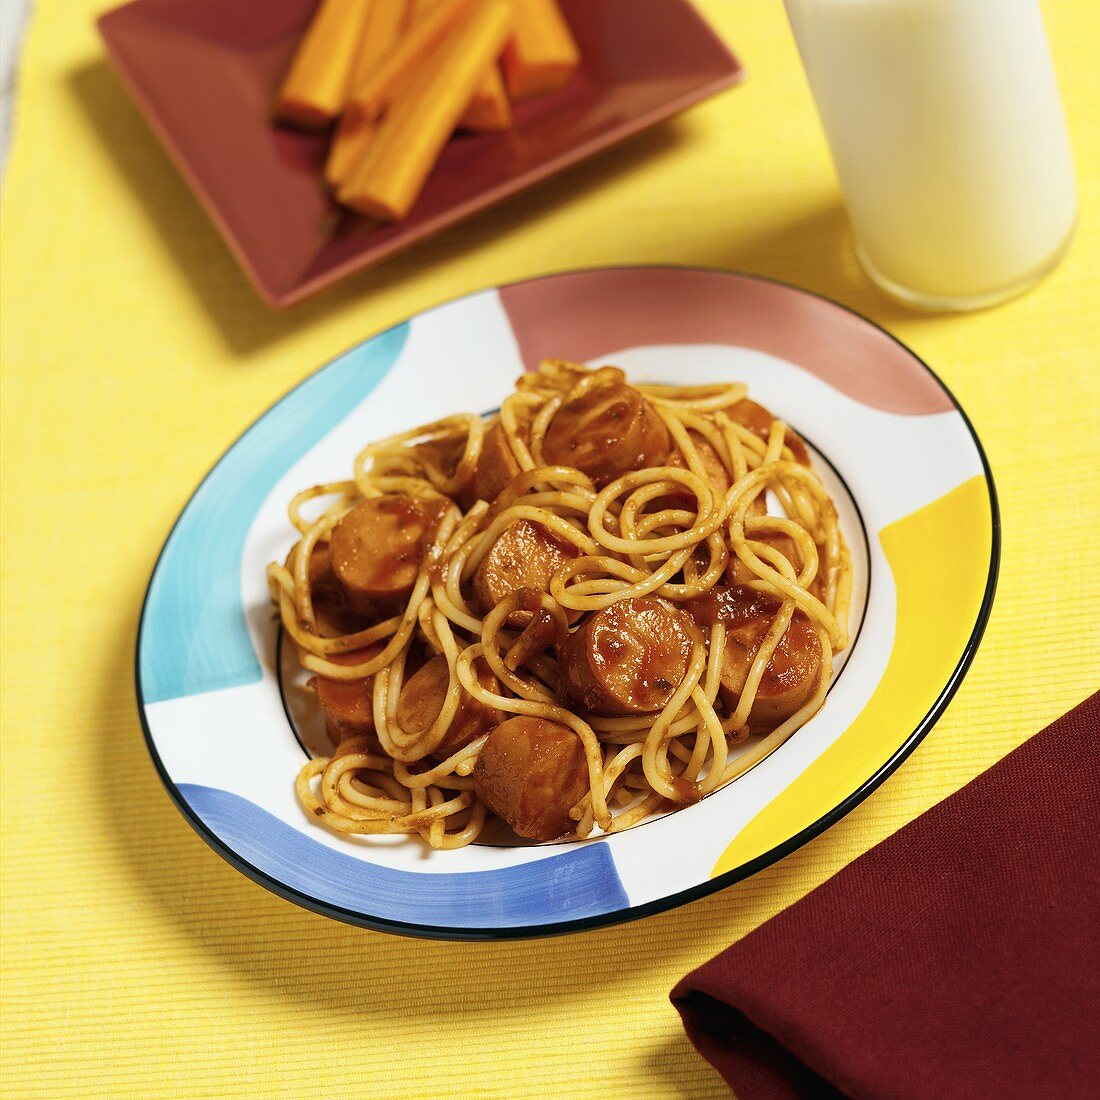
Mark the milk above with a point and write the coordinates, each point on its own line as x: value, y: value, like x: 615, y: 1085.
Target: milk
x: 945, y: 124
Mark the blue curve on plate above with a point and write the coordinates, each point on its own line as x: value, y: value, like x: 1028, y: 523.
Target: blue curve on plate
x: 579, y: 883
x: 194, y: 636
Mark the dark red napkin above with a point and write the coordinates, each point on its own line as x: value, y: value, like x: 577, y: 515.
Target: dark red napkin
x: 958, y: 958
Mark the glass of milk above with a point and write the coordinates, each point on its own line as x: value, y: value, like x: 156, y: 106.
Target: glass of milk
x: 947, y: 131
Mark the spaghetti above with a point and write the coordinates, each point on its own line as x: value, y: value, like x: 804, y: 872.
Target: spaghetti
x: 566, y: 616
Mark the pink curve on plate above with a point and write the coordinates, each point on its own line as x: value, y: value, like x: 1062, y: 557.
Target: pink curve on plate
x: 587, y: 314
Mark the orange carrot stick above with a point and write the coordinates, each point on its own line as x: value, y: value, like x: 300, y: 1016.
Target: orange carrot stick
x: 349, y: 146
x: 414, y: 130
x: 431, y: 21
x: 542, y: 53
x: 371, y: 97
x: 489, y: 109
x: 386, y: 20
x: 316, y: 87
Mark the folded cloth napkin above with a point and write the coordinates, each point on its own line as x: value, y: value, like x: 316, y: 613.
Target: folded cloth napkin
x: 958, y: 958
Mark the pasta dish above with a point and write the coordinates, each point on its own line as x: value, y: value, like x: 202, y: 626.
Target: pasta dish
x: 604, y: 602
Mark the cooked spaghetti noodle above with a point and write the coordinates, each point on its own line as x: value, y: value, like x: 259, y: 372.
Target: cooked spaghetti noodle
x: 566, y: 615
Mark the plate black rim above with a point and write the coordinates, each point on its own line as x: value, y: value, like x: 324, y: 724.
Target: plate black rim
x: 681, y: 897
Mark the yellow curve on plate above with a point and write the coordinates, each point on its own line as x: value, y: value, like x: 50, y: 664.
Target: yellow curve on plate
x: 939, y: 556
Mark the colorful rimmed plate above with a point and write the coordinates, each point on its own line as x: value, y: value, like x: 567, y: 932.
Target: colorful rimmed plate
x: 204, y: 72
x: 916, y: 501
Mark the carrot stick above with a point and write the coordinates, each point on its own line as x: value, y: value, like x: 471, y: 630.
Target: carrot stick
x: 349, y: 146
x: 542, y: 53
x: 316, y: 88
x: 414, y: 130
x: 386, y: 20
x: 371, y: 97
x: 430, y: 24
x: 489, y: 109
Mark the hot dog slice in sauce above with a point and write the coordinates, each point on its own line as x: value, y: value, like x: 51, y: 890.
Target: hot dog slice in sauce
x: 789, y: 679
x: 738, y: 573
x: 496, y: 465
x: 348, y: 704
x: 525, y: 555
x: 792, y: 673
x: 717, y: 476
x: 759, y: 421
x: 377, y: 549
x: 331, y: 608
x: 531, y: 773
x: 628, y: 658
x: 446, y: 455
x: 422, y: 697
x: 608, y: 431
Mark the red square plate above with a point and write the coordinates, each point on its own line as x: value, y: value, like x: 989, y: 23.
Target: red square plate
x: 205, y: 72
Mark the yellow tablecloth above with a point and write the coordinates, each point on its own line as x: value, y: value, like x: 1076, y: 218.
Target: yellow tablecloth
x: 136, y: 962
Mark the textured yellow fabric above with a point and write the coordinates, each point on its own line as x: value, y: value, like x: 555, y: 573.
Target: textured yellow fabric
x: 137, y: 963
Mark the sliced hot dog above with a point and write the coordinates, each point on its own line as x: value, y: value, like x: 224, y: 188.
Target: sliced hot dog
x: 334, y: 613
x: 712, y: 464
x: 531, y: 773
x: 446, y: 454
x: 735, y: 606
x: 759, y: 421
x: 608, y: 431
x: 628, y: 658
x: 496, y: 466
x: 737, y: 573
x: 377, y: 549
x: 716, y: 475
x: 348, y: 704
x: 422, y: 697
x: 790, y: 677
x: 525, y: 555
